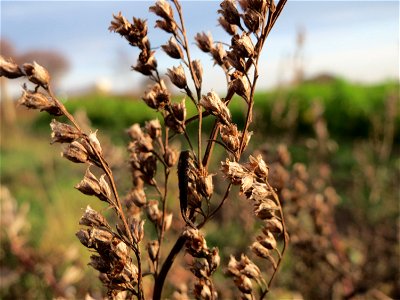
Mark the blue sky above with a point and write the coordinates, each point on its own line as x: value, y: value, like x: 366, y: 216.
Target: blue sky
x: 358, y: 40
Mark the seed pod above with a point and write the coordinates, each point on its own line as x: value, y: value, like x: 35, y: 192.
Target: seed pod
x: 162, y: 9
x: 63, y: 133
x: 173, y: 49
x: 75, y: 152
x: 93, y: 218
x: 37, y: 74
x: 229, y: 28
x: 204, y: 41
x: 9, y: 69
x: 152, y: 250
x: 36, y: 100
x: 177, y: 76
x: 252, y: 19
x: 230, y: 12
x: 198, y: 72
x: 268, y: 241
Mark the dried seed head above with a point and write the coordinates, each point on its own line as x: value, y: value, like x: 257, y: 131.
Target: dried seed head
x: 75, y: 152
x: 198, y: 72
x: 258, y: 166
x: 93, y: 218
x: 94, y: 142
x: 135, y: 33
x: 153, y: 211
x: 230, y: 136
x: 214, y: 260
x: 236, y: 61
x: 218, y: 53
x: 152, y: 250
x: 230, y: 12
x: 243, y: 45
x: 206, y: 185
x: 173, y: 49
x: 91, y: 186
x: 239, y: 85
x: 268, y: 241
x: 176, y: 118
x: 200, y: 268
x: 99, y: 264
x: 215, y: 106
x: 137, y: 230
x: 168, y: 221
x: 260, y: 250
x: 137, y: 196
x: 234, y: 171
x: 63, y: 133
x: 158, y: 96
x: 36, y: 100
x: 252, y: 19
x: 195, y: 244
x: 246, y: 184
x: 202, y: 290
x: 153, y: 128
x: 135, y: 132
x: 170, y: 156
x: 251, y: 270
x: 84, y: 238
x: 273, y: 225
x: 146, y: 64
x: 162, y: 9
x: 260, y: 192
x: 177, y: 76
x: 244, y: 284
x: 204, y: 41
x: 9, y: 69
x: 167, y: 25
x: 229, y: 28
x: 37, y: 74
x: 105, y: 188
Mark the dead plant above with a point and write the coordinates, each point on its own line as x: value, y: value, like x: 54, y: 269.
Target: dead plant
x: 249, y: 25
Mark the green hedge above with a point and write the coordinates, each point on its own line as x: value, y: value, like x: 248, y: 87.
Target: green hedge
x: 348, y: 108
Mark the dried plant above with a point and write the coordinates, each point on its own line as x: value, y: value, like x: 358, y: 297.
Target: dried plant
x: 151, y: 148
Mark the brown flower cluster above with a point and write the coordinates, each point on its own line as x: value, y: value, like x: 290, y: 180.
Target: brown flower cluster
x: 205, y: 263
x: 112, y: 258
x: 252, y: 178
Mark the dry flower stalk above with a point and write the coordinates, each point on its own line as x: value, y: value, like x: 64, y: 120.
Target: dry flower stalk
x: 150, y: 150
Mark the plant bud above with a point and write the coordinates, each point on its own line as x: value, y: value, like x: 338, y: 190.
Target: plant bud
x: 9, y: 69
x: 177, y: 76
x: 75, y: 152
x: 152, y: 249
x: 93, y: 218
x: 173, y: 49
x: 204, y: 41
x: 37, y: 74
x: 63, y: 133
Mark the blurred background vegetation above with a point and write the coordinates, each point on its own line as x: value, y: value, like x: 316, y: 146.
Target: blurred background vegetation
x: 362, y: 135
